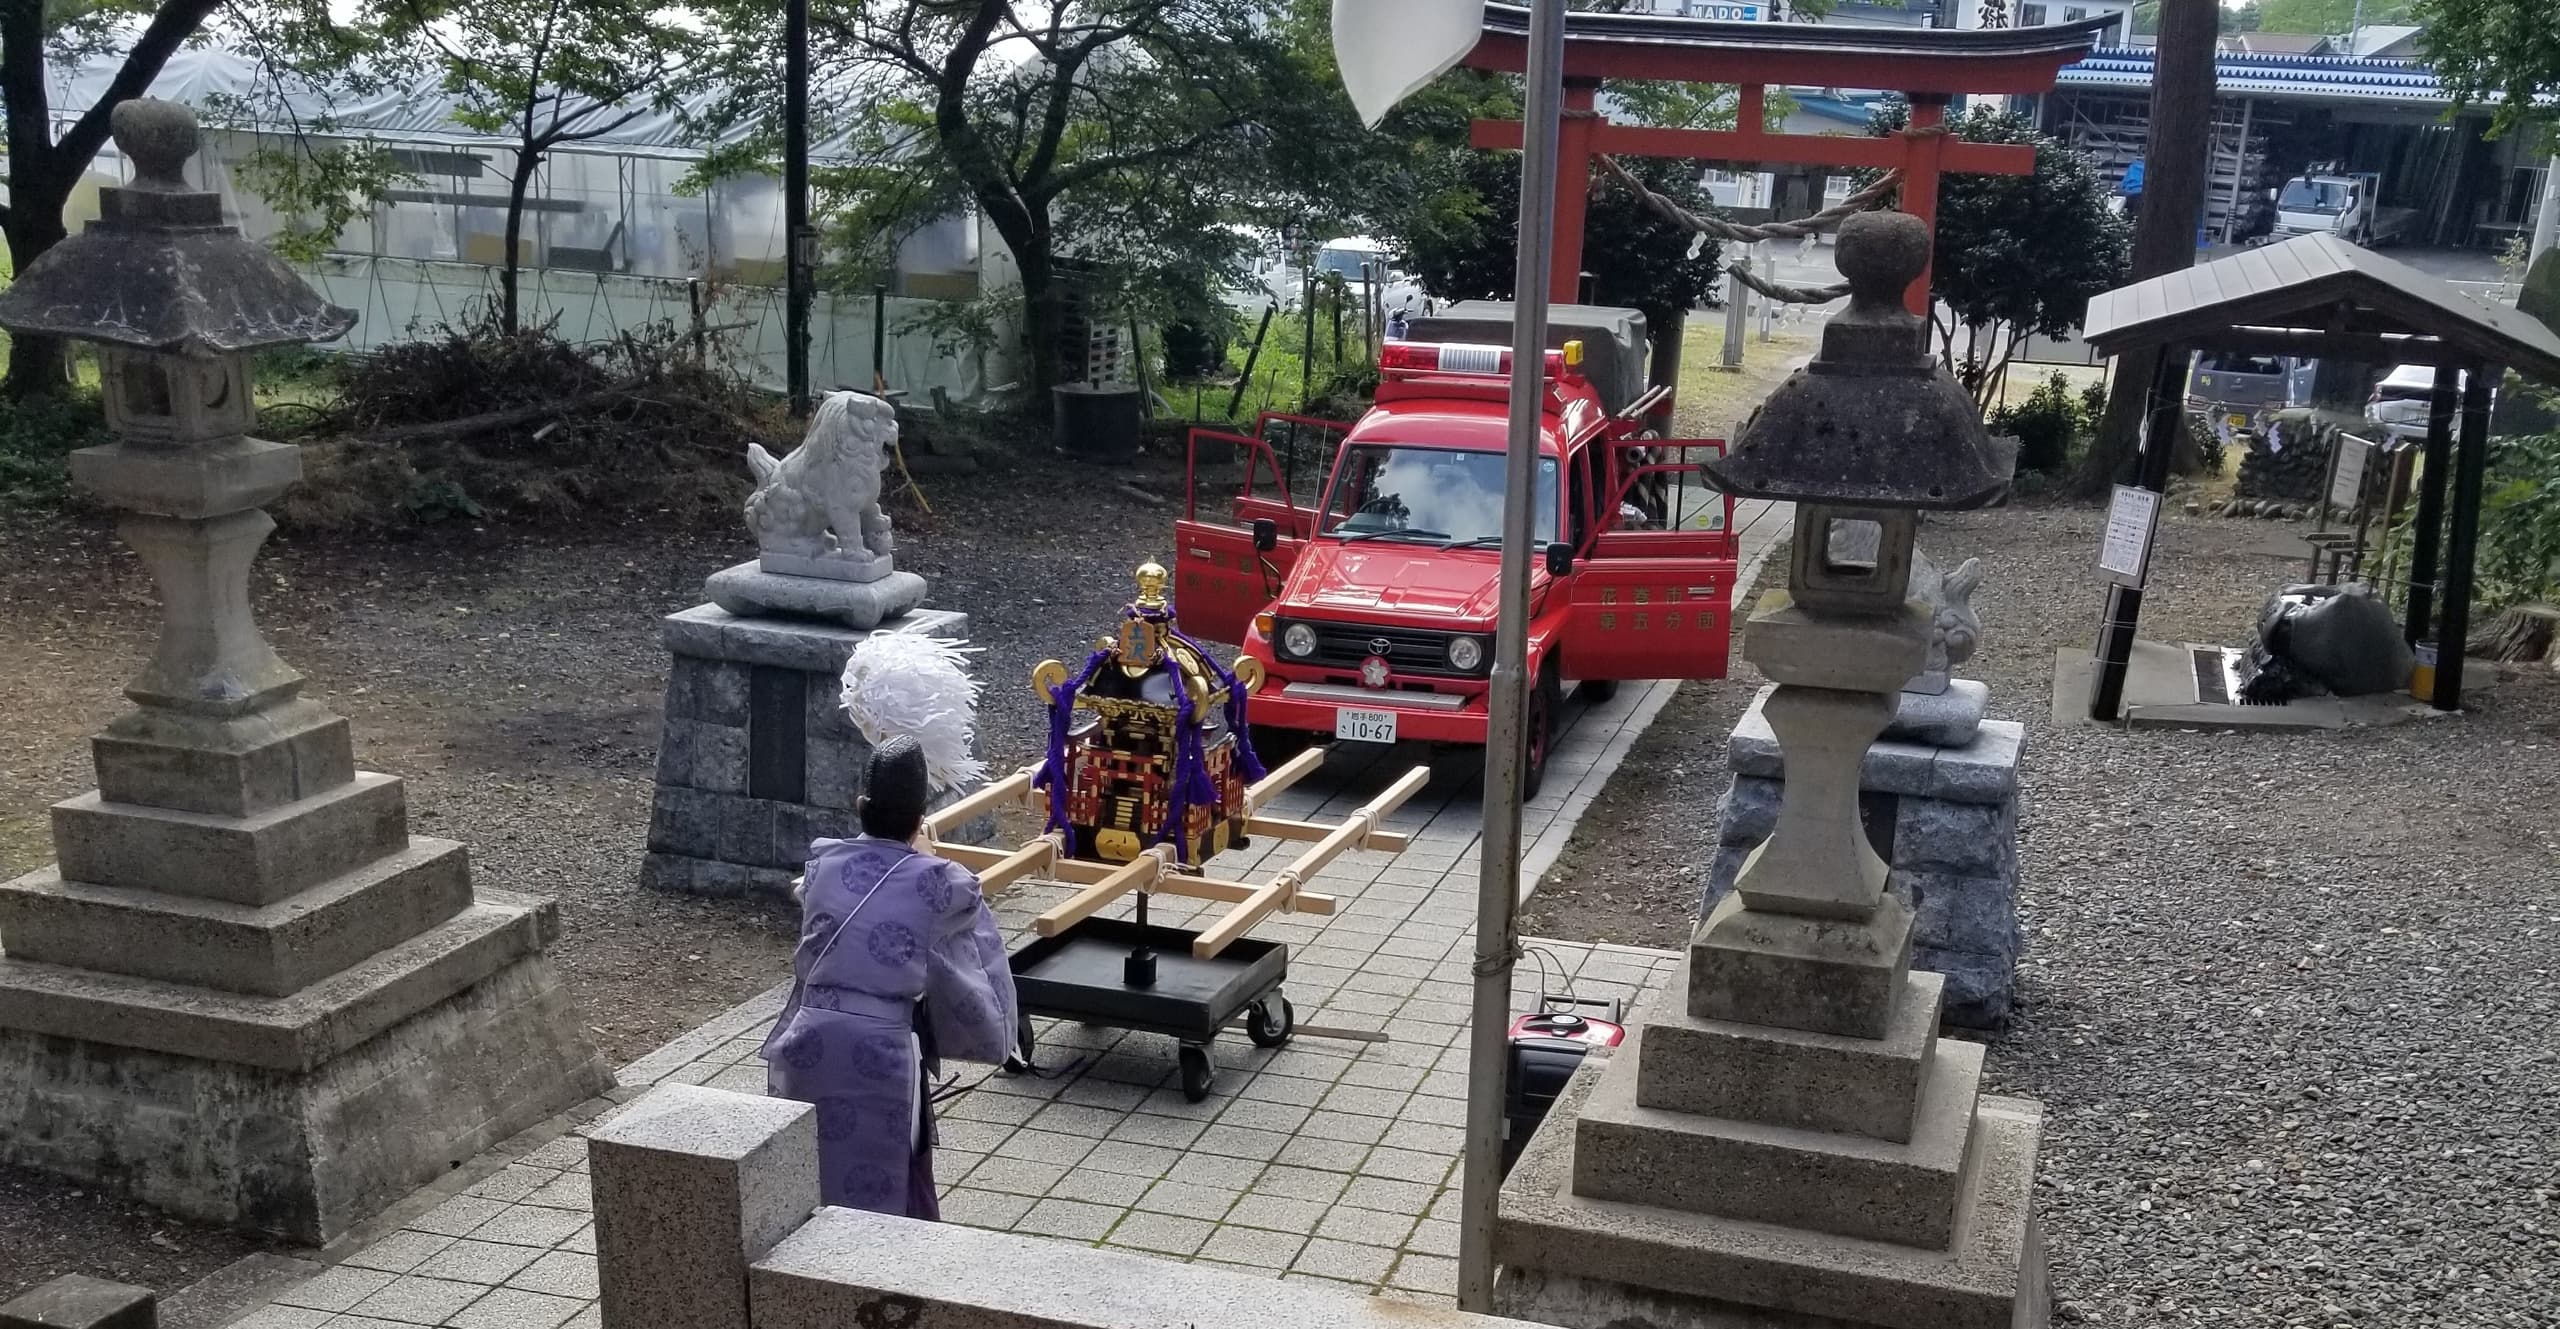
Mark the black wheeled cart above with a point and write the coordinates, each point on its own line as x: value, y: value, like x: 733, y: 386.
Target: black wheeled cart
x: 1085, y: 974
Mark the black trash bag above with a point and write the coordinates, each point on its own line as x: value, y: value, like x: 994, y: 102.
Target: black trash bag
x: 2314, y: 639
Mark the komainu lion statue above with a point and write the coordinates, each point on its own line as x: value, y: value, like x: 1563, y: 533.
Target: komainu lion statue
x: 822, y: 503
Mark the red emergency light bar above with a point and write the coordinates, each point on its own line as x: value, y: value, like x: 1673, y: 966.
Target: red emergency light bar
x: 1469, y: 358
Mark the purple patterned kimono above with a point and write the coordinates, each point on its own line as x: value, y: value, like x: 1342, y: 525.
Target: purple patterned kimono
x: 883, y: 928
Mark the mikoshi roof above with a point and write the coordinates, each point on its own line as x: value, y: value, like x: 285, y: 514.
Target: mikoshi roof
x: 2319, y: 284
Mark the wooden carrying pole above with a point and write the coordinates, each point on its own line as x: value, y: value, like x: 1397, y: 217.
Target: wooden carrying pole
x: 1137, y: 874
x: 1280, y: 890
x: 1013, y: 788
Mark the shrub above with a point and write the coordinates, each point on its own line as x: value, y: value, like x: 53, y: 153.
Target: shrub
x: 2045, y: 425
x: 37, y: 437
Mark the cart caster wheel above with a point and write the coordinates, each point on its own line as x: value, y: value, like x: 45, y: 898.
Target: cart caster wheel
x: 1195, y: 1074
x: 1266, y: 1033
x: 1024, y: 1048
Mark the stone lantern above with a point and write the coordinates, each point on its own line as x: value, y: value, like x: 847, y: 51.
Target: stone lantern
x: 1784, y: 1137
x: 243, y: 992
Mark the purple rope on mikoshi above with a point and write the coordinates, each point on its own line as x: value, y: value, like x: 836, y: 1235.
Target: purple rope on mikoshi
x: 1248, y: 761
x: 1190, y: 783
x: 1062, y: 709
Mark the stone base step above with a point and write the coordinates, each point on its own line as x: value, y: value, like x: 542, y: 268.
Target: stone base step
x: 1990, y: 1277
x: 229, y: 767
x: 269, y: 951
x: 293, y: 1033
x: 256, y: 860
x: 1844, y: 1185
x: 1821, y: 1082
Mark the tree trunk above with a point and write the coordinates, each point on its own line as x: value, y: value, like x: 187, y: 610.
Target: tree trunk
x: 2164, y: 233
x: 508, y: 309
x: 36, y: 199
x: 1044, y: 314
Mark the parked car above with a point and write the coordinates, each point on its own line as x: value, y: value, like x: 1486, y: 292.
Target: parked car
x: 1399, y: 290
x: 2399, y: 402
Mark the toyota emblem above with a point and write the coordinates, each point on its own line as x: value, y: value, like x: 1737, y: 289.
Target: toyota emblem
x: 1381, y: 647
x: 1373, y: 672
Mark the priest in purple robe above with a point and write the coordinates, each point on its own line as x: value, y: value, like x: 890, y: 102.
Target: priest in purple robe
x: 899, y: 963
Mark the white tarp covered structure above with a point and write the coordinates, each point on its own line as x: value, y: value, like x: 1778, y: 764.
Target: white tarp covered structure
x: 610, y: 239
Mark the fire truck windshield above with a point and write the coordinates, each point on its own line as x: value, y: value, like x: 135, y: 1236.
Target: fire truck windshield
x: 1430, y: 495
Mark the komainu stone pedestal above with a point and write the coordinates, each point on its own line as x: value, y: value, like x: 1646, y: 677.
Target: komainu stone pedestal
x: 756, y: 758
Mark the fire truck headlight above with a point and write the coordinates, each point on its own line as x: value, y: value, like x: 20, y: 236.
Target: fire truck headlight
x: 1298, y: 641
x: 1466, y: 654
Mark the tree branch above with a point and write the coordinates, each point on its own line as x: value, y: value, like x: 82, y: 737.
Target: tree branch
x: 170, y: 28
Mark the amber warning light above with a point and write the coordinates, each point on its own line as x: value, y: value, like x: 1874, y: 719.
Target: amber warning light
x: 1467, y: 358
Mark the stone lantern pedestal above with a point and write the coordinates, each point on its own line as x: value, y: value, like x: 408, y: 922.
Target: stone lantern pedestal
x: 1783, y: 1141
x: 245, y: 992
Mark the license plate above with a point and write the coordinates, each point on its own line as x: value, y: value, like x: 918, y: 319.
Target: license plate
x: 1365, y: 726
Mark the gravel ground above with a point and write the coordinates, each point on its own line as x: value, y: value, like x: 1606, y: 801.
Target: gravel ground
x: 2289, y: 1000
x: 513, y: 678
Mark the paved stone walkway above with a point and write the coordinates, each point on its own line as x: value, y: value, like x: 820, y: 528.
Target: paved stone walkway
x: 1330, y: 1160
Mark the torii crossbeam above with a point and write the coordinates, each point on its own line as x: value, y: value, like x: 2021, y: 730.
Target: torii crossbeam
x: 1929, y: 66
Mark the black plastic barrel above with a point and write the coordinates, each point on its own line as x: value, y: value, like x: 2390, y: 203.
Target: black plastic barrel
x: 1097, y: 419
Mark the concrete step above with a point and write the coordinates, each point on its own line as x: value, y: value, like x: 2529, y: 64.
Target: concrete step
x: 1991, y: 1276
x: 1822, y: 1181
x: 1821, y: 1082
x: 293, y: 1033
x: 258, y: 860
x: 270, y: 951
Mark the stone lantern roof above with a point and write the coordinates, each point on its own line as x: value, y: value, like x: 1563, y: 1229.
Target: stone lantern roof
x: 159, y: 271
x: 1874, y: 421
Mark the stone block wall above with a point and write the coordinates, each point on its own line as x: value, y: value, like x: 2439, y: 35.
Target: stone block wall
x: 1945, y: 819
x: 756, y: 758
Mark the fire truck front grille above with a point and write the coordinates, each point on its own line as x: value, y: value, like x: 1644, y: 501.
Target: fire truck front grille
x: 1419, y: 651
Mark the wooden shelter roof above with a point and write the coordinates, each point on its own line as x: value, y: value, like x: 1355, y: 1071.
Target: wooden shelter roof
x: 2319, y: 288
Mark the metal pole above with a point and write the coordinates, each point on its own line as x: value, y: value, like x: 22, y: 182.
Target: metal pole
x: 2435, y: 465
x: 1736, y: 298
x: 2470, y: 468
x: 798, y: 278
x: 2239, y: 170
x: 1506, y: 730
x: 2163, y: 420
x: 879, y: 338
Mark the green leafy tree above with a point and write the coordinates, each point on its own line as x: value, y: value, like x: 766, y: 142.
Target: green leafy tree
x: 2016, y: 255
x: 542, y: 73
x: 2327, y: 17
x: 2503, y: 54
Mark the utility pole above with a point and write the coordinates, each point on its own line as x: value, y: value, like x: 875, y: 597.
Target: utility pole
x: 800, y: 262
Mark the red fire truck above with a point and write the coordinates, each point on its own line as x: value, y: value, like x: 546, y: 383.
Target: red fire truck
x: 1366, y: 590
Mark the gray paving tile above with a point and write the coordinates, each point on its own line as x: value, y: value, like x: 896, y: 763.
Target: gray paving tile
x: 566, y: 1152
x: 1446, y: 1141
x: 1001, y: 1108
x: 352, y: 1321
x: 1167, y: 1132
x: 1095, y: 1187
x: 1285, y: 1089
x: 977, y: 1137
x: 1344, y: 1260
x: 1165, y: 1234
x: 457, y: 1216
x: 1435, y: 1236
x: 560, y: 1273
x: 1443, y: 1084
x: 986, y: 1209
x: 1435, y: 1111
x: 1306, y: 1065
x: 513, y: 1182
x: 1263, y: 1116
x: 1218, y: 1170
x: 1352, y: 1098
x: 410, y: 1300
x: 1208, y: 1203
x: 1425, y: 1273
x: 473, y: 1261
x: 1301, y: 1183
x: 582, y: 1241
x: 1255, y: 1248
x: 1380, y: 1074
x: 508, y: 1308
x: 1399, y: 1197
x: 400, y: 1252
x: 1069, y: 1218
x: 1407, y: 1165
x: 1307, y: 1151
x: 1277, y: 1213
x: 571, y: 1191
x: 1068, y: 1117
x: 1370, y: 1227
x: 336, y: 1289
x: 1170, y: 1102
x: 288, y: 1317
x: 1130, y: 1159
x: 1241, y: 1142
x: 1015, y: 1176
x: 530, y: 1225
x: 1041, y: 1146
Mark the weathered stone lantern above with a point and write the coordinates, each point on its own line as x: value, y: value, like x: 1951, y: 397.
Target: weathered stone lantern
x: 1784, y: 1137
x: 243, y: 992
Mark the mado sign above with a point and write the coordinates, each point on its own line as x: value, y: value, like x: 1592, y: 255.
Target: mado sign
x: 1726, y: 10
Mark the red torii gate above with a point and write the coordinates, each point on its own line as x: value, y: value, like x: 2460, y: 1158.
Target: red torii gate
x: 1926, y: 65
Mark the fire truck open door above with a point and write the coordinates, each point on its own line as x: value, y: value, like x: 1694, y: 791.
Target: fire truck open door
x: 1653, y: 574
x: 1221, y: 580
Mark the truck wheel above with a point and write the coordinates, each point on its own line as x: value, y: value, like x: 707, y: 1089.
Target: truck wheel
x: 1596, y: 691
x: 1542, y: 725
